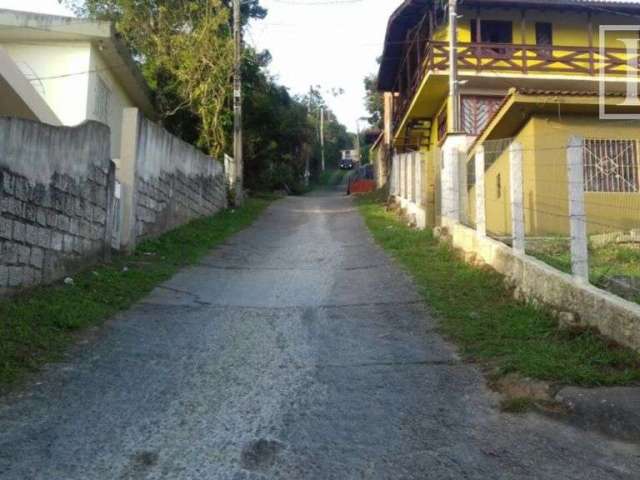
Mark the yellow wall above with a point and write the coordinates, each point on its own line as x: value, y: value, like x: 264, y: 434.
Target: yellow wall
x: 571, y: 30
x: 546, y: 208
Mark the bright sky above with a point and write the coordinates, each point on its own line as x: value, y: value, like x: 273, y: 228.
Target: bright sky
x: 331, y: 43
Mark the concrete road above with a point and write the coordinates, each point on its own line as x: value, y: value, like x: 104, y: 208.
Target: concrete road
x: 297, y: 350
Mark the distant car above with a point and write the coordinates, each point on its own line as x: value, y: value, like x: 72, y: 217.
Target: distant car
x: 346, y: 164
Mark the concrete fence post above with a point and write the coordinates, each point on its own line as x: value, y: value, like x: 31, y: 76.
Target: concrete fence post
x: 419, y: 178
x: 127, y: 177
x: 577, y: 212
x: 463, y: 188
x: 451, y: 185
x: 401, y: 168
x: 481, y: 221
x: 396, y: 176
x: 405, y: 175
x: 517, y: 197
x: 412, y: 164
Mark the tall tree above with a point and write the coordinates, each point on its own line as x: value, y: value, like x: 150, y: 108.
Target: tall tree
x: 186, y: 53
x: 373, y: 101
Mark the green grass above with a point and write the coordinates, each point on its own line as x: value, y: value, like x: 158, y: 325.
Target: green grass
x: 481, y: 316
x: 604, y: 261
x: 38, y: 325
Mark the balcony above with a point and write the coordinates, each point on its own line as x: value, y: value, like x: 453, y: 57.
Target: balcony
x: 498, y: 59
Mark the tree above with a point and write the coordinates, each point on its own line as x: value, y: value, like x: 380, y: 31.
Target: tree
x: 373, y: 101
x: 185, y: 51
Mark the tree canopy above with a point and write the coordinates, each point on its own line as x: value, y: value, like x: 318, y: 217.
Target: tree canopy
x: 185, y: 51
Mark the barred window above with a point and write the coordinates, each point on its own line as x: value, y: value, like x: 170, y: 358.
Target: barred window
x: 610, y: 166
x: 477, y: 111
x: 102, y: 105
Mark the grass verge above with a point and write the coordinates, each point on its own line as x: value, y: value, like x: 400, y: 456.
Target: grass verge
x: 605, y: 262
x: 35, y: 327
x: 488, y: 324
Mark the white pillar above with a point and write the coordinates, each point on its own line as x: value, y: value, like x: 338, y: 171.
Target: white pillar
x: 419, y: 193
x: 396, y: 176
x: 481, y: 222
x: 127, y: 177
x: 453, y: 148
x: 412, y: 177
x: 450, y: 184
x: 402, y: 175
x: 517, y: 197
x: 577, y: 212
x: 463, y: 188
x: 405, y: 183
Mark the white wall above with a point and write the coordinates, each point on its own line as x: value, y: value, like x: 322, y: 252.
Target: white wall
x: 105, y: 76
x: 74, y: 80
x: 59, y: 72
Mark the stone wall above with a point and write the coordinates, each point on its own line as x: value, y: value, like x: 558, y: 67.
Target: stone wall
x: 56, y: 186
x: 166, y: 182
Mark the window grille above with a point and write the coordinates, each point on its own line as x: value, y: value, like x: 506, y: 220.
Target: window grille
x: 610, y: 166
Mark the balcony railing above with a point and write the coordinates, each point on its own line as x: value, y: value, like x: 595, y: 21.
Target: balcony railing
x: 507, y: 58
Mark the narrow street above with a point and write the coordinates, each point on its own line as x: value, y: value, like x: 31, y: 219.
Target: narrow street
x: 297, y: 350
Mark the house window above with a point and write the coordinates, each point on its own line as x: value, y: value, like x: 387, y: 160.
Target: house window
x: 102, y: 101
x: 477, y: 111
x: 544, y: 39
x: 492, y: 31
x: 610, y: 166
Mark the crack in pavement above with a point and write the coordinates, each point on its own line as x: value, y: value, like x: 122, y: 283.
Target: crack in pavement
x: 195, y: 296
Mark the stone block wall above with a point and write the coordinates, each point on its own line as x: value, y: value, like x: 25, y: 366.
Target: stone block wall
x: 170, y: 200
x: 166, y: 182
x: 56, y: 186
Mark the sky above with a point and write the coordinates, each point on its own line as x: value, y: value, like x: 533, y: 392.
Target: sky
x: 331, y: 43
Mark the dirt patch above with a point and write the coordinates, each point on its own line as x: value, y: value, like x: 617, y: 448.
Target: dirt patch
x: 260, y: 455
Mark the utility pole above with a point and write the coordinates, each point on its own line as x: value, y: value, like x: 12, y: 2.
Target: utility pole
x: 454, y: 100
x: 322, y: 135
x: 307, y: 169
x: 237, y: 184
x: 358, y: 140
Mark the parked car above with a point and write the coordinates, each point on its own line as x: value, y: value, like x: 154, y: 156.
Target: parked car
x: 346, y: 164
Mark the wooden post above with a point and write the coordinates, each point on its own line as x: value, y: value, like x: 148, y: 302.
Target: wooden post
x: 523, y: 40
x: 590, y: 35
x: 577, y: 213
x: 481, y: 222
x: 517, y: 197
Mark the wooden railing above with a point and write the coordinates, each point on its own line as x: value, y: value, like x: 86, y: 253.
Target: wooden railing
x: 502, y: 58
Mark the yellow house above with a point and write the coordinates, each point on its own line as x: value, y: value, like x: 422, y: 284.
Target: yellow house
x: 534, y: 72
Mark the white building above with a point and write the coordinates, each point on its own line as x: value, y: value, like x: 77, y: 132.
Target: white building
x: 64, y: 71
x: 353, y: 155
